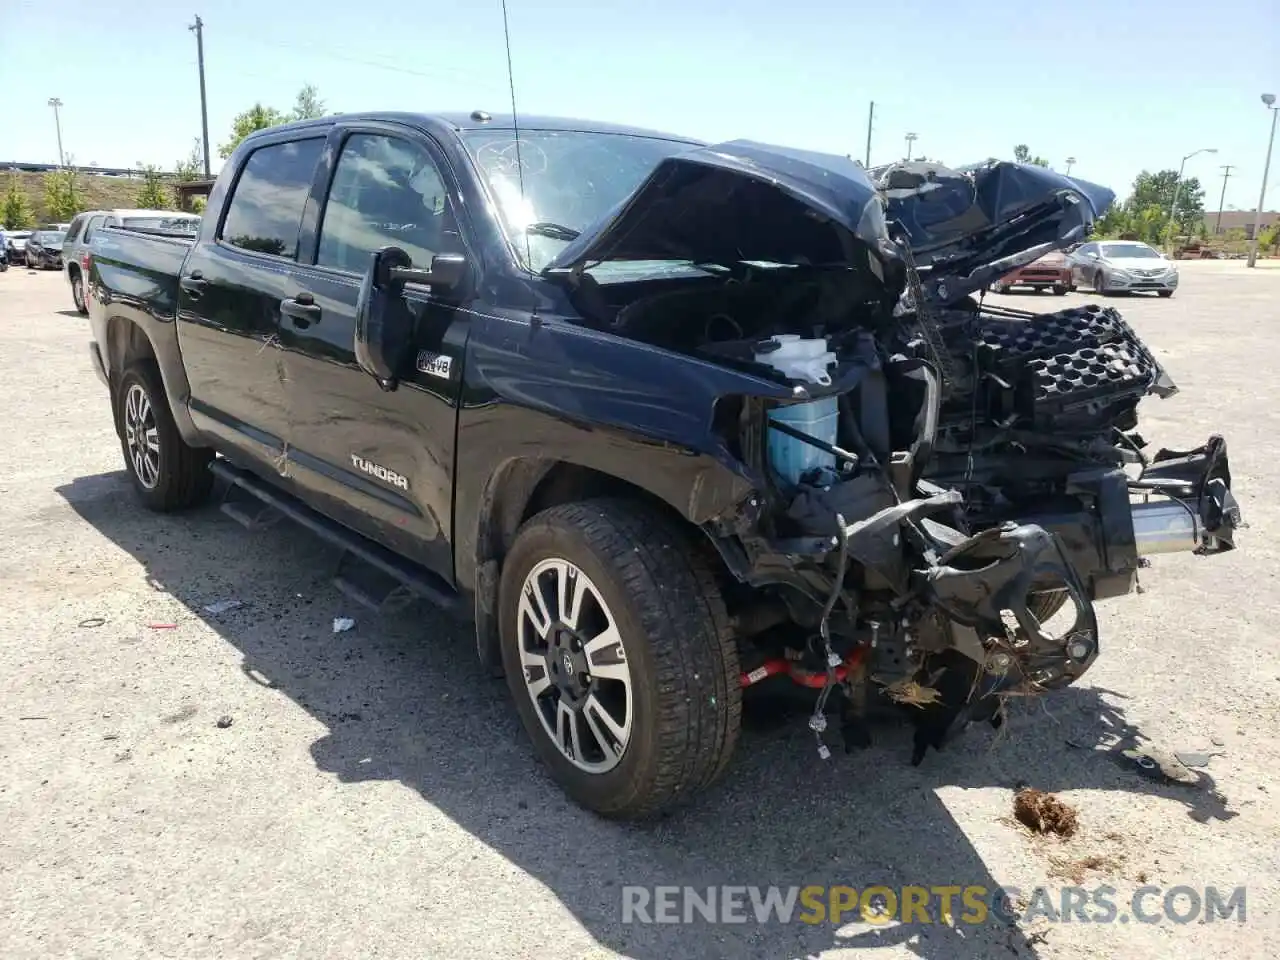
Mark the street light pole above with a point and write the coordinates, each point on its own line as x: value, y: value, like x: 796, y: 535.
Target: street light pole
x: 57, y: 122
x: 911, y: 138
x: 1270, y: 100
x: 1071, y: 162
x: 1177, y: 189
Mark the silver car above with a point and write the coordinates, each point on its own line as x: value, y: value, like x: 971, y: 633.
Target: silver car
x: 1115, y: 266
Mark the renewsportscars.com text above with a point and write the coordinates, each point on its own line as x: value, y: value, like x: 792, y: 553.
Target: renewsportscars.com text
x: 935, y: 904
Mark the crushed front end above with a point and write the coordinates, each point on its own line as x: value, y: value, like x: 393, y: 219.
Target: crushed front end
x: 951, y: 555
x: 942, y: 489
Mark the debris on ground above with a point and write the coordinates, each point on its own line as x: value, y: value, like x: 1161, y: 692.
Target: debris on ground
x: 1157, y: 763
x: 1044, y: 813
x: 1075, y: 868
x: 162, y: 626
x: 92, y: 622
x: 1188, y: 759
x: 223, y: 606
x: 910, y: 692
x: 222, y: 722
x: 342, y: 624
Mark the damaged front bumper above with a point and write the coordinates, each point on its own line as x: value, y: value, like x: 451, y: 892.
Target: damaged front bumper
x: 967, y: 624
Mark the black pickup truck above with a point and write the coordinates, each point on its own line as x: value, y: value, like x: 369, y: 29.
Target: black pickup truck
x: 671, y: 424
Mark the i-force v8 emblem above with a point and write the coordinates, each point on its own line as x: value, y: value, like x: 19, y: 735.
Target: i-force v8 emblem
x: 435, y: 364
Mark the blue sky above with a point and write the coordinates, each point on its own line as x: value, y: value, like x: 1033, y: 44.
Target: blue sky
x: 1121, y: 86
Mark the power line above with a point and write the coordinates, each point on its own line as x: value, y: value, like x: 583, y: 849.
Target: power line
x: 312, y: 49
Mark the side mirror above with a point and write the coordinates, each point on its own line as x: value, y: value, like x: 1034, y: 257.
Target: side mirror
x: 384, y: 322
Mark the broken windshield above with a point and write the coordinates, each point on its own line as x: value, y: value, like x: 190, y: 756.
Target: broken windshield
x: 571, y: 179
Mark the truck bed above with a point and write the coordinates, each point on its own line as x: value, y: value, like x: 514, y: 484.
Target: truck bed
x: 141, y: 267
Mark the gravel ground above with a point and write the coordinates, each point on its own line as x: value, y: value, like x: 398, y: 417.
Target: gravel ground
x: 374, y: 796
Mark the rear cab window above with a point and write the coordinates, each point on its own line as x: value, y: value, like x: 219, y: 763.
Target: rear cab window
x: 264, y: 213
x: 77, y: 224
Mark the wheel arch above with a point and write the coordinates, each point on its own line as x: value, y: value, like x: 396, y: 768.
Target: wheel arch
x: 128, y: 341
x: 525, y: 487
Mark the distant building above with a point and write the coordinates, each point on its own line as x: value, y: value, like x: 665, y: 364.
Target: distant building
x: 1237, y: 220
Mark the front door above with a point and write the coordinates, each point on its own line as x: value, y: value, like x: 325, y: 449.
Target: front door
x: 382, y: 462
x: 229, y: 302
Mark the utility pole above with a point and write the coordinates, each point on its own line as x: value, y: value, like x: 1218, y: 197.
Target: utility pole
x: 57, y: 122
x: 1226, y: 175
x: 871, y: 115
x: 198, y: 29
x: 911, y: 138
x: 1269, y: 101
x: 1071, y: 162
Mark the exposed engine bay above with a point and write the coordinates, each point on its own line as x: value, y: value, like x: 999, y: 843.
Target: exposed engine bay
x: 940, y: 478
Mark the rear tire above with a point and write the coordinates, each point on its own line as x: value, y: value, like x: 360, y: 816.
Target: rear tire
x: 77, y: 293
x: 653, y: 598
x: 166, y: 473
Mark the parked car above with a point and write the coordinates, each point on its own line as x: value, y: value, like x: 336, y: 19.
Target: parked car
x: 655, y: 417
x: 1122, y: 266
x: 80, y: 232
x: 15, y: 251
x: 44, y: 250
x: 1050, y: 272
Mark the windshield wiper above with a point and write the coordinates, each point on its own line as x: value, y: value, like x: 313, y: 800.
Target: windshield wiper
x: 556, y: 231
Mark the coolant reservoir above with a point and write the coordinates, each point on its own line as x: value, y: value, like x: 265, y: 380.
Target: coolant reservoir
x: 802, y: 359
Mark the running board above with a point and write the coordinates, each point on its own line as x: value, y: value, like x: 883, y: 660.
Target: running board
x: 400, y: 579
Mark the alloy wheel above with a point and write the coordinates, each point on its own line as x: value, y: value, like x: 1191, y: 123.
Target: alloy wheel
x: 575, y: 666
x: 141, y: 436
x: 77, y: 293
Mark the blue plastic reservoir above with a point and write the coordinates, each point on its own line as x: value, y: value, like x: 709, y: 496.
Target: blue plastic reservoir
x: 791, y: 457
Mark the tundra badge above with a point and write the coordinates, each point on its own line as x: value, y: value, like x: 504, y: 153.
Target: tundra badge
x: 435, y: 364
x: 379, y: 471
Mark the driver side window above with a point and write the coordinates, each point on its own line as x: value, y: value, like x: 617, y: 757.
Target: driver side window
x: 385, y: 192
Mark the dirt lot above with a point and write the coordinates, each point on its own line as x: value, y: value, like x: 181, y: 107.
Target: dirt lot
x: 373, y: 795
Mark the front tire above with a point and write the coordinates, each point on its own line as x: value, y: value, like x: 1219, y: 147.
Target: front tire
x: 1166, y: 294
x: 1099, y: 283
x: 167, y: 474
x: 1059, y: 289
x: 618, y: 652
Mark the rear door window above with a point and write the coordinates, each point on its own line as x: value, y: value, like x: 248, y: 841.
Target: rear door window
x: 265, y: 210
x: 74, y: 231
x: 91, y: 227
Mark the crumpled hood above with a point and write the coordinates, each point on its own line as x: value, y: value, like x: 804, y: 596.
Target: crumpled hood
x: 741, y: 202
x: 970, y: 226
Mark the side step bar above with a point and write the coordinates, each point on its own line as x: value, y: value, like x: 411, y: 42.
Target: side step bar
x: 408, y: 577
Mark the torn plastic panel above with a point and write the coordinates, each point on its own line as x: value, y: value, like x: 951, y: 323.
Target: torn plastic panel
x: 968, y: 226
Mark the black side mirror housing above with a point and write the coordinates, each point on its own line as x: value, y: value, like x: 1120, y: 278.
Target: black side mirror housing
x: 384, y: 322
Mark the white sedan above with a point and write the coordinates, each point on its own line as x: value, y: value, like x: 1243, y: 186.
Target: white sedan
x: 1114, y: 266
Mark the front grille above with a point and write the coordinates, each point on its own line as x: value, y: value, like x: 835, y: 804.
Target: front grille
x: 1077, y: 361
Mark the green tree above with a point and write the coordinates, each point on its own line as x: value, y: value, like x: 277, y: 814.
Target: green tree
x: 154, y: 193
x: 16, y: 212
x: 250, y: 121
x: 1157, y: 189
x: 1022, y: 153
x: 191, y: 168
x: 62, y: 196
x: 308, y: 104
x: 1269, y: 237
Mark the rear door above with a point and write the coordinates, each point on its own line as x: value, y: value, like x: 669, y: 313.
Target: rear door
x: 379, y: 461
x: 229, y: 302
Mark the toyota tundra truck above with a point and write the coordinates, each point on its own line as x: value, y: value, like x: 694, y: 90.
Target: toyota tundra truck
x: 669, y: 424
